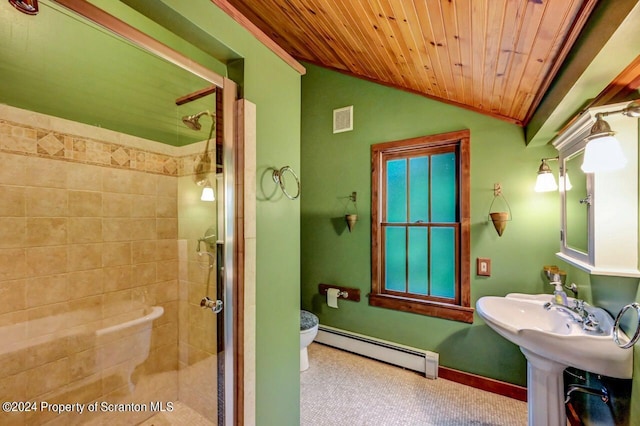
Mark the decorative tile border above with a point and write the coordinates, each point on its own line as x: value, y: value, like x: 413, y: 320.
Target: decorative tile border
x: 23, y: 139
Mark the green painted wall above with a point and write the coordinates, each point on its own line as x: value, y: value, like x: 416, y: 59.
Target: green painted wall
x: 334, y: 165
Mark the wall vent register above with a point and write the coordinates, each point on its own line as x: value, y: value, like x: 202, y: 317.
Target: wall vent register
x: 343, y: 119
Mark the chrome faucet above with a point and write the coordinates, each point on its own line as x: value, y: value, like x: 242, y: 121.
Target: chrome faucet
x: 578, y: 313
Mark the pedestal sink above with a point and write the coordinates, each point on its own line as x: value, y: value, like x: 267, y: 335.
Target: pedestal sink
x: 552, y: 340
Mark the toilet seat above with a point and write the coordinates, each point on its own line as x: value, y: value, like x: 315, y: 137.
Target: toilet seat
x: 308, y: 320
x: 308, y: 330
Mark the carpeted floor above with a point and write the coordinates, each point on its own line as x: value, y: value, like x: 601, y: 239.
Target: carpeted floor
x: 341, y: 388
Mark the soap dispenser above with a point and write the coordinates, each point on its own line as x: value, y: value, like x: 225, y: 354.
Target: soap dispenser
x: 559, y: 296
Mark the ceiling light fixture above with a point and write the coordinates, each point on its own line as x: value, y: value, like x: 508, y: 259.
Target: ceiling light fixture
x: 603, y: 152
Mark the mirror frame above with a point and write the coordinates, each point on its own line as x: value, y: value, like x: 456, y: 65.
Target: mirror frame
x: 588, y: 257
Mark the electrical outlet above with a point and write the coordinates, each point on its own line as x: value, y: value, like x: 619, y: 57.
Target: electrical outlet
x: 483, y: 266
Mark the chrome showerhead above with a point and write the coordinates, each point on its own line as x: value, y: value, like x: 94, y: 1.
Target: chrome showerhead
x: 193, y: 121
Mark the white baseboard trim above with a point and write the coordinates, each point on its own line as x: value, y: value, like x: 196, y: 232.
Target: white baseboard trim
x: 393, y: 353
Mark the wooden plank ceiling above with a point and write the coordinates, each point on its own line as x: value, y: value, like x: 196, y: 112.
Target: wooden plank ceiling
x: 493, y: 56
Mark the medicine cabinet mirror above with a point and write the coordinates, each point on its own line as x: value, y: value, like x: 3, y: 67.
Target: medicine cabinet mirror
x: 575, y: 192
x: 599, y: 211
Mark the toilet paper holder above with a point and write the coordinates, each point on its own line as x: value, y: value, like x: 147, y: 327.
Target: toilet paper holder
x: 346, y: 293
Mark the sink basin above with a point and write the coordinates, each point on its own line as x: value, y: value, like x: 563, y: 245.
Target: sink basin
x: 552, y: 340
x: 554, y: 335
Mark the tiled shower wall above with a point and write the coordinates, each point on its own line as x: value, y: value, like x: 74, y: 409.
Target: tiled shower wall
x: 88, y: 232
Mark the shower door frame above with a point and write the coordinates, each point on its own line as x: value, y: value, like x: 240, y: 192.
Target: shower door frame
x: 233, y: 286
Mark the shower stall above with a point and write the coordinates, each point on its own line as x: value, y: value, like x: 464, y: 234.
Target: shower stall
x: 117, y: 272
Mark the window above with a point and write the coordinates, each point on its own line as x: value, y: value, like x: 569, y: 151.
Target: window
x: 420, y: 226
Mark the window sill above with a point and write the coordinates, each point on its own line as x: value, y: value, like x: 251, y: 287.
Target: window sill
x: 433, y: 309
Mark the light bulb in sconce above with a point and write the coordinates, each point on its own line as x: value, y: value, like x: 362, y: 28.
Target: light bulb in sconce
x: 603, y: 154
x: 207, y: 192
x: 545, y: 181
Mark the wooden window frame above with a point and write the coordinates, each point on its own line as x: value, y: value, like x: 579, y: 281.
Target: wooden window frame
x: 459, y: 308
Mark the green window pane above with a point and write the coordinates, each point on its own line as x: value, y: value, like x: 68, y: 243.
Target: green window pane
x: 443, y: 187
x: 418, y: 261
x: 397, y: 190
x: 419, y: 189
x: 395, y: 256
x: 443, y: 262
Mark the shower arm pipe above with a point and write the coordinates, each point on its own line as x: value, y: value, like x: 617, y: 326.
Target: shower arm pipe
x: 205, y: 112
x: 196, y: 95
x: 137, y: 37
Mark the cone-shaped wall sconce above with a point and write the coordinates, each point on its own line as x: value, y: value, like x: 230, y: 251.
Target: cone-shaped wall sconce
x: 351, y: 221
x: 351, y: 218
x: 499, y: 218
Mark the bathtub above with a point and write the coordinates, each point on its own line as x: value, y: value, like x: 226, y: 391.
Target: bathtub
x: 63, y: 350
x: 124, y: 342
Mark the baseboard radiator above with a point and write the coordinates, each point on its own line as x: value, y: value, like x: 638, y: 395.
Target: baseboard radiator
x: 392, y: 353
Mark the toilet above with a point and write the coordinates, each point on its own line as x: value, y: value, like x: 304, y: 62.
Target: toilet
x: 308, y: 330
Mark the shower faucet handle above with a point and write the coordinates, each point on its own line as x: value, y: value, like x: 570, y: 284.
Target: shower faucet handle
x: 214, y: 305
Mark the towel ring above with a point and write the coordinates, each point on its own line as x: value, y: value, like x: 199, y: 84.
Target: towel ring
x: 278, y: 177
x: 616, y: 327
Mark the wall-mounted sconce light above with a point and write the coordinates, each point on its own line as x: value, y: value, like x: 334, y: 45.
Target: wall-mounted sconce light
x: 207, y: 192
x: 603, y: 152
x: 545, y: 181
x: 499, y: 218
